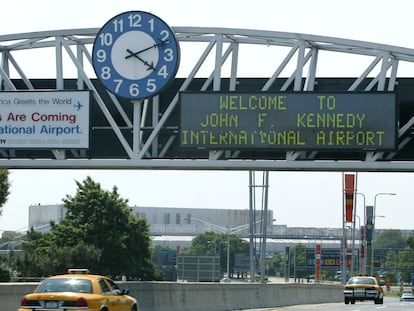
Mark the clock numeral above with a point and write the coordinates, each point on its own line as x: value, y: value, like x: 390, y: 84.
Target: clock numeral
x: 151, y: 23
x: 134, y: 20
x: 168, y: 55
x: 101, y: 56
x: 165, y: 34
x: 118, y: 25
x: 134, y: 89
x: 163, y: 72
x: 118, y: 83
x: 105, y: 73
x: 151, y: 85
x: 106, y: 38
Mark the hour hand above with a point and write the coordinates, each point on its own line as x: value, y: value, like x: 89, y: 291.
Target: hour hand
x: 132, y: 54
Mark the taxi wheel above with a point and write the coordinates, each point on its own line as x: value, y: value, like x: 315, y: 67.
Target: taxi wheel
x: 346, y: 301
x: 352, y: 301
x: 134, y: 308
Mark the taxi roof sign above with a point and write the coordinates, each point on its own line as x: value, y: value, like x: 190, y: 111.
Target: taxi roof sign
x: 78, y: 271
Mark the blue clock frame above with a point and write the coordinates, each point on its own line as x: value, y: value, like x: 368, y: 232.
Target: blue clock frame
x: 135, y: 55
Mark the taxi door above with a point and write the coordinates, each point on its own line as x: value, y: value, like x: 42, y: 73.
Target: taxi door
x: 118, y: 302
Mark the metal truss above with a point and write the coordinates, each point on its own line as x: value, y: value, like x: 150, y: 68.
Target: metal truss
x: 218, y: 54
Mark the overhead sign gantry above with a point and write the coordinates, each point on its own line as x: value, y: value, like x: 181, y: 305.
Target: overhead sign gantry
x: 159, y: 134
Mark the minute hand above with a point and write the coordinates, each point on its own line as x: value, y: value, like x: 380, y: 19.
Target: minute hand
x: 161, y: 43
x: 132, y: 54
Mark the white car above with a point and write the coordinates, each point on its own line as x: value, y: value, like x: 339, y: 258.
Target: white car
x: 407, y: 297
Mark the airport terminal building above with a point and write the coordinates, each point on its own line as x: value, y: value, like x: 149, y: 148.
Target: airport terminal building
x: 176, y: 227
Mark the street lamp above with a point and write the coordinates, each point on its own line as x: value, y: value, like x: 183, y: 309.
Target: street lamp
x: 344, y: 241
x: 359, y: 255
x: 225, y: 230
x: 373, y: 231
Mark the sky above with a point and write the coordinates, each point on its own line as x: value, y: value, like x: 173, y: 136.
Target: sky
x: 298, y: 199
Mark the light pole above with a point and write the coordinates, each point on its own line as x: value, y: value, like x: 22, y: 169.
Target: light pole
x: 354, y: 216
x: 353, y: 250
x: 373, y: 230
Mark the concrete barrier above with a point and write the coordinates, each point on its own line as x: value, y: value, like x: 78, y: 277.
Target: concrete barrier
x: 172, y: 296
x: 11, y: 294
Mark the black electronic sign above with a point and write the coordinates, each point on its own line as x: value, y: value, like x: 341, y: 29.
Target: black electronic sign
x: 289, y: 121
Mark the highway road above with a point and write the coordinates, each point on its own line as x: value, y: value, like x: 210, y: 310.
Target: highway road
x: 390, y: 304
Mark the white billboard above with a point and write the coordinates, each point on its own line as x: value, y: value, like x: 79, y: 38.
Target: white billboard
x: 44, y: 119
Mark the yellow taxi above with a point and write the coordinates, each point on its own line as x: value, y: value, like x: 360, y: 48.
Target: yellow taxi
x: 78, y: 291
x: 363, y: 288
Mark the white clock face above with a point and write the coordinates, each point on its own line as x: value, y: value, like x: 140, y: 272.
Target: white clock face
x: 134, y: 55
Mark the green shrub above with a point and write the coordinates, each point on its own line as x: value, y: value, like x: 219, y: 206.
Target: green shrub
x: 5, y: 275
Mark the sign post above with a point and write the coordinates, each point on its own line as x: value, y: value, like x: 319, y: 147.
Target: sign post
x: 369, y: 232
x: 317, y: 263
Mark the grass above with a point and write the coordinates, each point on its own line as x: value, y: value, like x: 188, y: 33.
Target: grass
x: 391, y: 294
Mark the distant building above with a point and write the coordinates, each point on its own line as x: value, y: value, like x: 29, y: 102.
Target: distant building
x: 162, y: 220
x: 40, y: 216
x: 175, y: 227
x: 10, y: 234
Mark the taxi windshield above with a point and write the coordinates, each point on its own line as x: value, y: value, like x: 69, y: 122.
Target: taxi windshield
x: 65, y: 285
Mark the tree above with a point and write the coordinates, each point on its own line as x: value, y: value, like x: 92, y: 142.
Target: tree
x: 397, y: 255
x: 298, y: 261
x: 410, y: 242
x: 5, y: 274
x: 390, y: 239
x: 4, y: 188
x: 208, y: 243
x: 98, y: 232
x: 277, y: 264
x: 42, y: 257
x: 211, y: 243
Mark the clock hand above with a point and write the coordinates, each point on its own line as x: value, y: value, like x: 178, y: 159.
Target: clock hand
x: 161, y: 43
x: 149, y: 65
x: 132, y: 54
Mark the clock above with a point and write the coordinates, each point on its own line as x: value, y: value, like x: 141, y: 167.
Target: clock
x: 135, y: 55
